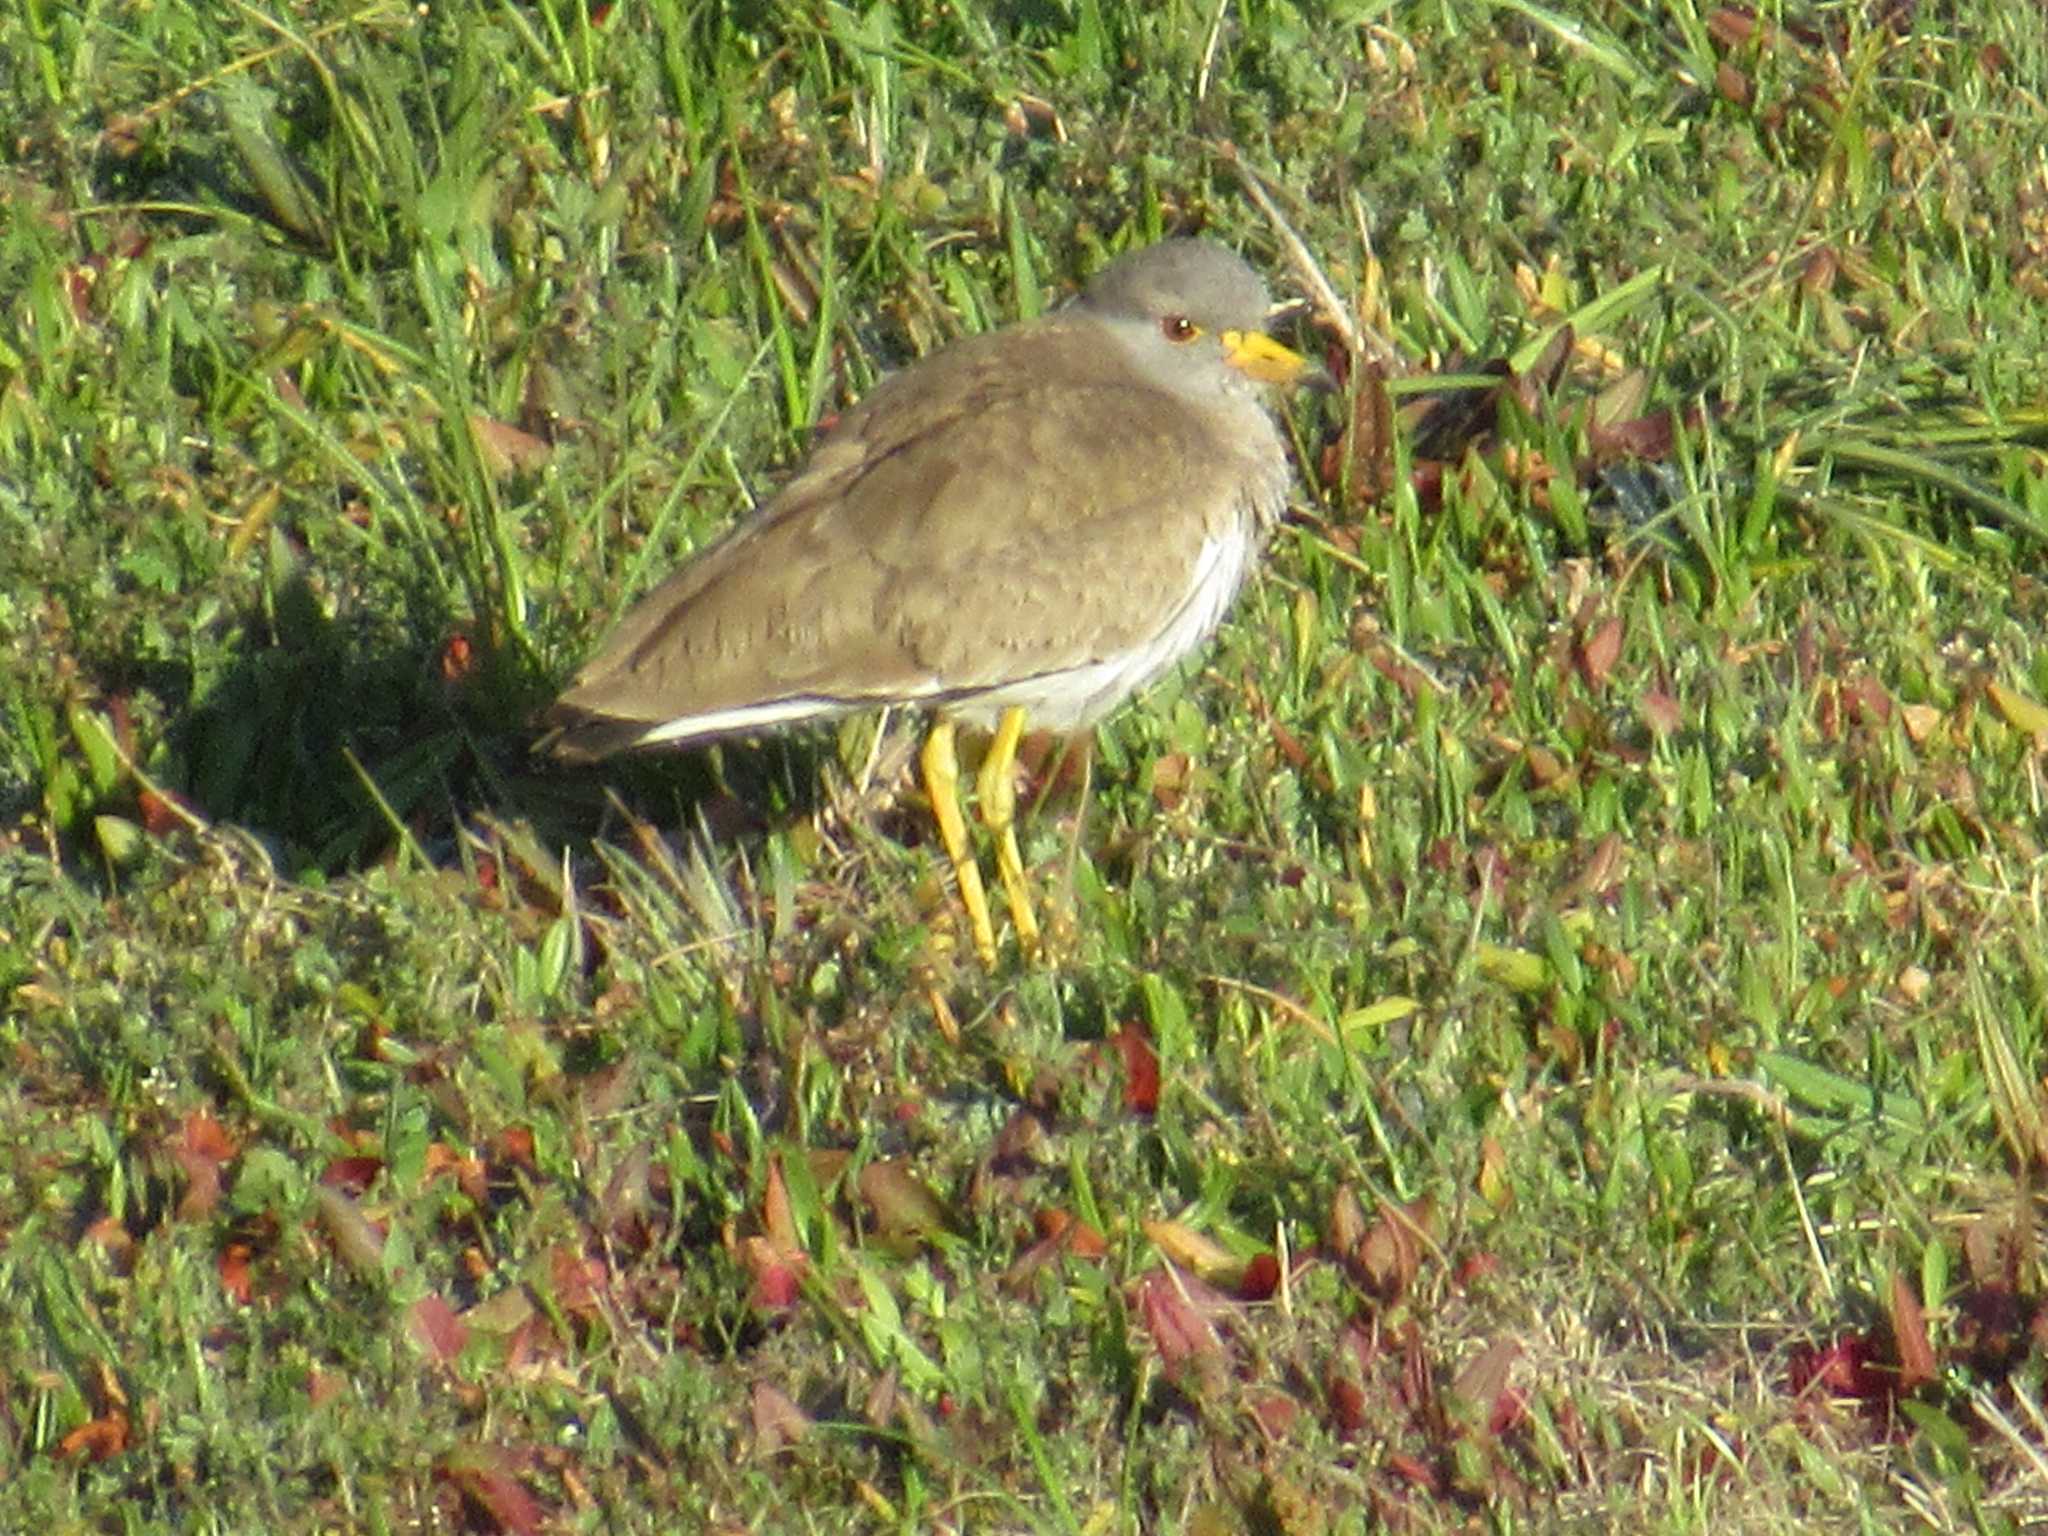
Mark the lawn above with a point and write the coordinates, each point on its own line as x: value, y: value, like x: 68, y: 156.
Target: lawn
x: 1543, y: 1027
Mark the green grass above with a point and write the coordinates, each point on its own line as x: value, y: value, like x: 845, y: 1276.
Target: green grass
x: 1590, y: 939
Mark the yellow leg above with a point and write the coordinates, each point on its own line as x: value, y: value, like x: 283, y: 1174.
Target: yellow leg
x: 942, y: 784
x: 996, y: 795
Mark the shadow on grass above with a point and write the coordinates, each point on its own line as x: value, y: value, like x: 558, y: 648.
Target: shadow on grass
x: 277, y: 743
x: 325, y: 743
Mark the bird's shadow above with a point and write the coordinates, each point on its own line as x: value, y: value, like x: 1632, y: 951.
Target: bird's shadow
x: 330, y: 736
x: 730, y: 790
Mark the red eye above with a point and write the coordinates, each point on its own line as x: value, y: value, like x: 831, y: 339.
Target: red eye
x: 1179, y: 328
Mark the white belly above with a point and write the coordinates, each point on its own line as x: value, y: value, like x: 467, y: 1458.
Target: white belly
x: 1079, y: 696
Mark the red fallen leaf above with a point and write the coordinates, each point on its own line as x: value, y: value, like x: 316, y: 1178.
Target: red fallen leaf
x: 1870, y: 704
x: 1404, y: 675
x: 1175, y: 1310
x: 1261, y: 1278
x: 522, y: 1346
x: 458, y: 657
x: 777, y: 1219
x: 1416, y: 1388
x: 1018, y: 1144
x: 578, y: 1281
x: 1846, y: 1368
x: 514, y: 1144
x: 483, y: 1477
x: 164, y: 811
x: 1660, y: 712
x: 1828, y: 714
x: 1598, y: 653
x: 1170, y: 776
x: 115, y: 1239
x: 352, y: 1175
x: 1141, y: 1069
x: 1547, y: 372
x: 1733, y: 26
x: 1992, y: 1251
x: 1909, y: 1337
x: 777, y: 1420
x: 1363, y: 457
x: 1733, y: 84
x: 1390, y: 1256
x: 1637, y: 437
x: 98, y: 1439
x: 777, y: 1278
x: 1059, y: 1232
x: 436, y: 1329
x: 1426, y: 480
x: 1081, y: 1238
x: 1017, y: 1278
x: 1477, y: 1267
x: 1991, y: 1322
x: 323, y: 1387
x: 1481, y: 1388
x: 1275, y: 1413
x: 1347, y: 1222
x: 1528, y: 466
x: 440, y: 1159
x: 1290, y: 746
x: 1545, y: 767
x: 1414, y: 1471
x: 200, y: 1149
x: 1347, y: 1401
x: 473, y: 1179
x: 233, y: 1268
x: 627, y: 1205
x: 506, y: 450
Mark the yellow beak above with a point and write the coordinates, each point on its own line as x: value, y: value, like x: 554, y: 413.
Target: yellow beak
x: 1258, y: 356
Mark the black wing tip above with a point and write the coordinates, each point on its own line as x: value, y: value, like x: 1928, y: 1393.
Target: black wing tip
x: 576, y: 737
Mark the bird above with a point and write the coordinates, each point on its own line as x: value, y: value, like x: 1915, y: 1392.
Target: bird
x: 1028, y: 525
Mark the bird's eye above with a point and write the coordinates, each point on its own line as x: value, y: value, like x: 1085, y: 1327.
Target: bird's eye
x: 1179, y: 328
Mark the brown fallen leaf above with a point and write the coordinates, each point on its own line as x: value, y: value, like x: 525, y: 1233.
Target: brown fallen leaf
x: 1481, y: 1397
x: 2020, y: 712
x: 484, y: 1477
x: 1141, y: 1069
x: 505, y: 449
x: 1177, y: 1313
x: 1909, y: 1337
x: 1598, y: 652
x: 201, y: 1149
x: 903, y: 1205
x: 1191, y: 1250
x: 98, y: 1439
x: 356, y: 1238
x: 440, y: 1334
x: 778, y: 1421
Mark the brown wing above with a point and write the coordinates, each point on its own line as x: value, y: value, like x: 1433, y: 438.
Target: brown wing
x: 997, y: 511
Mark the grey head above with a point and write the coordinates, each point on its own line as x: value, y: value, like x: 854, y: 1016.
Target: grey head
x: 1197, y: 279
